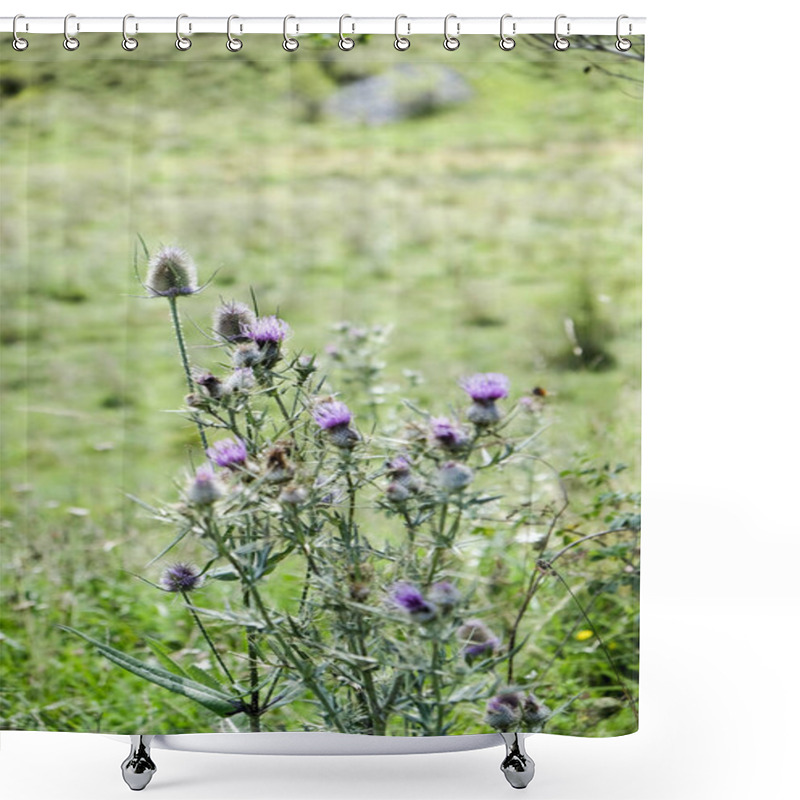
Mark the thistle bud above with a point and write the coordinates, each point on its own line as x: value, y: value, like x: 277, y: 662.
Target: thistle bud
x: 171, y: 272
x: 534, y: 713
x: 293, y: 495
x: 277, y: 467
x: 205, y: 489
x: 504, y: 711
x: 454, y: 476
x: 445, y: 596
x: 181, y: 578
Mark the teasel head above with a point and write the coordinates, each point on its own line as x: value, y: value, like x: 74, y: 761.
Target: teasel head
x: 230, y: 320
x: 277, y: 466
x: 504, y: 711
x: 205, y: 488
x: 170, y: 273
x: 181, y: 578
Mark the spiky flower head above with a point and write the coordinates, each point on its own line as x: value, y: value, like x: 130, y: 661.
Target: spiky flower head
x: 504, y: 711
x: 534, y: 713
x: 397, y: 493
x: 247, y: 355
x: 334, y: 417
x: 448, y: 434
x: 210, y: 382
x: 230, y: 321
x: 171, y: 272
x: 266, y: 330
x: 486, y: 386
x: 181, y: 578
x: 331, y: 413
x: 205, y: 489
x: 242, y: 379
x: 277, y: 466
x: 478, y: 639
x: 410, y: 599
x: 444, y: 596
x: 454, y: 476
x: 229, y: 453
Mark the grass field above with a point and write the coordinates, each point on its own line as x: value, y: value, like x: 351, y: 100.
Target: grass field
x: 474, y: 231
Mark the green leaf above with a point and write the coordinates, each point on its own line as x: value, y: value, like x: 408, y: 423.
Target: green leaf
x: 164, y: 657
x: 210, y: 698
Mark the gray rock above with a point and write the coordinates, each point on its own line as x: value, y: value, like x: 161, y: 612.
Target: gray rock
x: 402, y: 92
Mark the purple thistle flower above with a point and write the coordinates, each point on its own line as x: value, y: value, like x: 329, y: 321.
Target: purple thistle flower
x: 181, y: 578
x: 230, y: 453
x: 410, y: 599
x: 478, y: 639
x: 486, y: 386
x: 448, y: 434
x: 266, y: 330
x: 504, y: 711
x: 331, y: 414
x: 205, y: 488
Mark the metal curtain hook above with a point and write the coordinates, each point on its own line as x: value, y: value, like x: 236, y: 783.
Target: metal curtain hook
x: 451, y: 42
x: 345, y: 42
x: 181, y: 42
x: 623, y: 45
x: 128, y: 42
x: 233, y: 44
x: 507, y: 42
x: 289, y: 44
x: 70, y: 42
x: 560, y: 42
x: 18, y: 43
x: 400, y: 42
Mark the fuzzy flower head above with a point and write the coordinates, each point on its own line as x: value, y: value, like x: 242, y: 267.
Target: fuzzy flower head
x: 230, y: 321
x: 181, y: 578
x: 504, y: 711
x: 229, y: 453
x: 242, y: 379
x: 171, y: 272
x: 205, y: 489
x: 454, y: 476
x: 334, y: 417
x: 448, y: 434
x: 486, y: 387
x: 478, y: 639
x: 410, y: 599
x: 266, y: 330
x: 444, y: 596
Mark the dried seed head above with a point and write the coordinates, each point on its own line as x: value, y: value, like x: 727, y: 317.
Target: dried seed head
x: 230, y: 321
x: 171, y: 272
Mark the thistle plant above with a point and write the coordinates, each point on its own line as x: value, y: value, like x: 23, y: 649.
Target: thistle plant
x: 345, y: 584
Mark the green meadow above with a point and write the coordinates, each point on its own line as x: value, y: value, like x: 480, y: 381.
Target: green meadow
x: 499, y: 234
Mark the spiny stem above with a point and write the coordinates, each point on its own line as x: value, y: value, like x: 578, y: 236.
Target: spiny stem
x: 176, y: 324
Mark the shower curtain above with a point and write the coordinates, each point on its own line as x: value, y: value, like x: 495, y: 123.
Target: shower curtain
x: 321, y: 386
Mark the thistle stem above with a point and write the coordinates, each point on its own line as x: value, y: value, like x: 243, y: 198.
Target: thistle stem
x: 210, y: 643
x: 176, y: 324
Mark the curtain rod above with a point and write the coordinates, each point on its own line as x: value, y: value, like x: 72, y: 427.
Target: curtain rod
x: 406, y: 26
